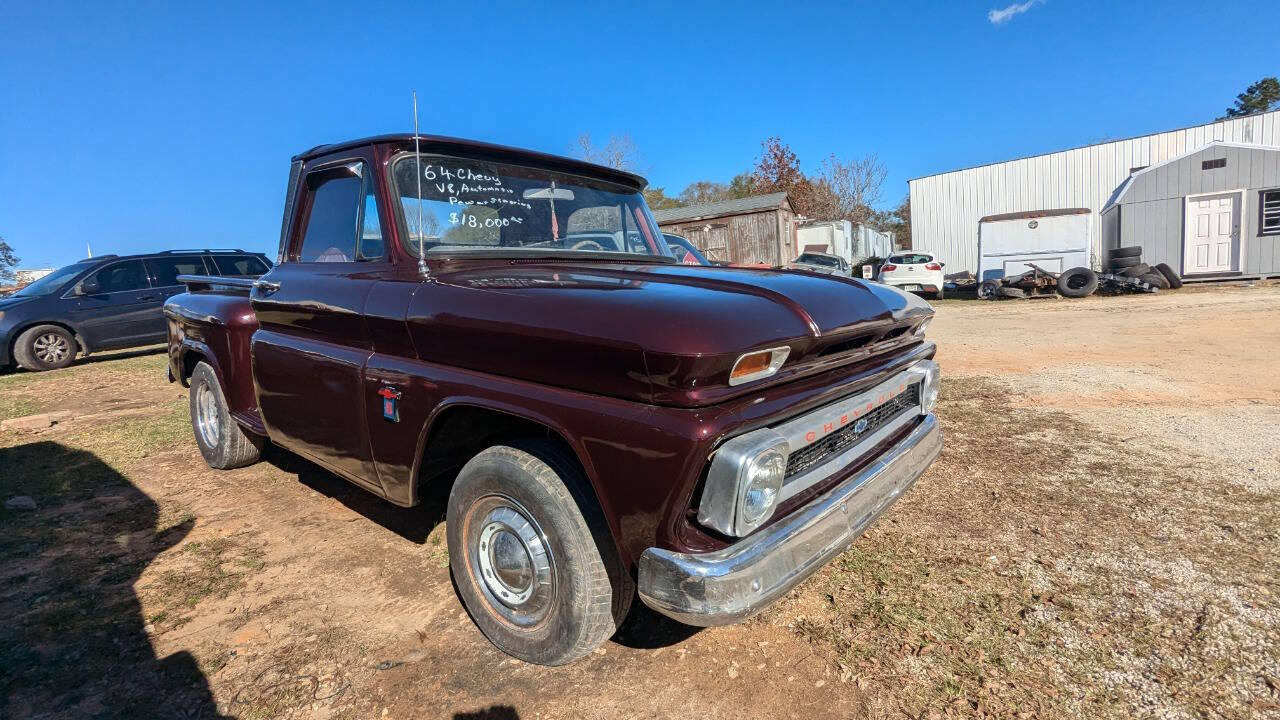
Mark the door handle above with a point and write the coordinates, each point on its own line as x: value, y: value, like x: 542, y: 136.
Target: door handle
x: 266, y: 287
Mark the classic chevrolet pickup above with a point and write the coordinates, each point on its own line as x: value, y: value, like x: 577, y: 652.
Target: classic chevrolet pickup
x: 507, y: 333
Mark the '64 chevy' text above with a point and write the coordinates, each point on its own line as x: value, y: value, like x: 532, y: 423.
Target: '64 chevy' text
x: 507, y: 333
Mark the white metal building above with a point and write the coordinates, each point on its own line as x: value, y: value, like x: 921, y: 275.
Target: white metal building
x: 946, y: 208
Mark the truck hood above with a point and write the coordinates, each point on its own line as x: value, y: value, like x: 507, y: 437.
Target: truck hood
x: 666, y: 334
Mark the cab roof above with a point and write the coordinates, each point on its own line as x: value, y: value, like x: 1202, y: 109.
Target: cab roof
x: 502, y: 153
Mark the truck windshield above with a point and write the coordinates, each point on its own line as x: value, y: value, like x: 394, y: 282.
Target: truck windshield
x: 479, y: 206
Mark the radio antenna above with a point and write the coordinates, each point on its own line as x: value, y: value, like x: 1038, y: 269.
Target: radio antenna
x: 417, y: 161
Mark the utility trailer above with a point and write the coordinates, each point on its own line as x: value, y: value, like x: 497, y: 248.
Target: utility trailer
x: 1054, y: 240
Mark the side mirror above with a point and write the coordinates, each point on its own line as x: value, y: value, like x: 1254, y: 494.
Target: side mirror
x: 90, y: 286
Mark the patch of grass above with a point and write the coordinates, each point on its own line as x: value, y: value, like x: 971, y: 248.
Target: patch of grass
x: 212, y: 568
x: 121, y: 441
x: 1043, y: 567
x: 16, y: 404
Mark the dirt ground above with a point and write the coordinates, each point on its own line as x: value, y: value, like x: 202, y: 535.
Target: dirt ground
x: 1099, y: 538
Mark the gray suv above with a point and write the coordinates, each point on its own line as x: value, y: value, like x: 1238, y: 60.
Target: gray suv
x: 105, y: 303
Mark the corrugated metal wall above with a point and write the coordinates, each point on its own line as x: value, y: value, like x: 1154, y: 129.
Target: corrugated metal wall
x: 1152, y: 208
x: 945, y: 208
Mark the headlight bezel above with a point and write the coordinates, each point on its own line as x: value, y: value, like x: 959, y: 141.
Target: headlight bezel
x: 930, y: 386
x: 723, y: 505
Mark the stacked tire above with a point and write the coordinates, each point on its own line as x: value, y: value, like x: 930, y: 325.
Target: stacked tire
x: 1127, y: 261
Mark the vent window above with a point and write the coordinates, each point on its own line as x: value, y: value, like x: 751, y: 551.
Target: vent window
x: 1213, y: 164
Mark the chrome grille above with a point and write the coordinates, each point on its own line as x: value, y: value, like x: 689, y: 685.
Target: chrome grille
x: 810, y: 456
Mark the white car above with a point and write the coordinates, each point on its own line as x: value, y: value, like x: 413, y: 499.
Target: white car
x: 914, y: 272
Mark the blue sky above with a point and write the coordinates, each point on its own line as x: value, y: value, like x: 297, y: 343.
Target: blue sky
x: 146, y: 126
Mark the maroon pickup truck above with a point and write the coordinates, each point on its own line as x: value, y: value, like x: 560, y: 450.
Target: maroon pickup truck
x: 507, y: 333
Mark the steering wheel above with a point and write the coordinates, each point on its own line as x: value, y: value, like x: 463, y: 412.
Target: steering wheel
x: 587, y: 245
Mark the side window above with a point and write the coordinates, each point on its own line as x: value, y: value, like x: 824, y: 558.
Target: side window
x: 231, y: 265
x: 334, y: 215
x: 165, y: 270
x: 371, y: 245
x: 122, y: 276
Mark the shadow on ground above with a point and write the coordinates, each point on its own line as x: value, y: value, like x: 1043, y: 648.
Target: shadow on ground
x: 73, y: 642
x: 413, y: 524
x: 643, y: 628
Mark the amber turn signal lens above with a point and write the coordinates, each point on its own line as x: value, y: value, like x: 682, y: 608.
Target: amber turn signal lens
x: 752, y: 364
x: 758, y: 364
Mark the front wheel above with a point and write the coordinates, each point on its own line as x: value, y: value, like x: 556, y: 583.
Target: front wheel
x: 45, y: 347
x: 531, y: 556
x: 223, y: 443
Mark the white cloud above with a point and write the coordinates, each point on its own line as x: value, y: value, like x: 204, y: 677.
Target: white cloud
x: 1004, y: 15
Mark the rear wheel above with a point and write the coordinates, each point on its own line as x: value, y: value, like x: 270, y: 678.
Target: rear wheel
x: 223, y: 443
x: 45, y: 347
x: 531, y: 556
x: 939, y: 294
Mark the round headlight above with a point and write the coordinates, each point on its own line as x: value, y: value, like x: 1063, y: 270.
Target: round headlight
x: 762, y: 487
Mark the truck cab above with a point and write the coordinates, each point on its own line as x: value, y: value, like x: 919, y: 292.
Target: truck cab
x: 508, y: 333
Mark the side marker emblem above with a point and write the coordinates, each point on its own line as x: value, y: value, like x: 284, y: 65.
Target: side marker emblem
x: 390, y: 403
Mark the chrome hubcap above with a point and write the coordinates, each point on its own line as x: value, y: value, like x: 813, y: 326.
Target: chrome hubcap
x: 207, y: 416
x: 51, y: 348
x: 511, y: 557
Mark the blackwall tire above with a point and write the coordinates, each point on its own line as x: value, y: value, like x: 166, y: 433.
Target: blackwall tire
x: 1125, y: 262
x: 1077, y: 282
x: 223, y: 443
x: 1010, y: 292
x: 988, y: 290
x: 1137, y: 270
x: 1155, y: 279
x: 45, y: 347
x: 1128, y: 251
x: 1175, y: 282
x: 531, y: 555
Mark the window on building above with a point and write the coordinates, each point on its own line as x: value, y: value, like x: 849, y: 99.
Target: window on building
x: 1269, y: 204
x: 1213, y: 164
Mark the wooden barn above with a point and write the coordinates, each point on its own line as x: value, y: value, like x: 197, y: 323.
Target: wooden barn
x: 745, y: 231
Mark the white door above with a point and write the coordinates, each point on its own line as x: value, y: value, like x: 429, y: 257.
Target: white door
x: 1213, y: 230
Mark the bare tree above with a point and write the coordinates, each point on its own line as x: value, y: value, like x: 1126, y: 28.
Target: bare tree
x: 619, y: 153
x: 857, y: 184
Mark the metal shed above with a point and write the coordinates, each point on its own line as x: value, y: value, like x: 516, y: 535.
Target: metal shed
x: 746, y: 231
x: 1210, y: 213
x: 945, y: 208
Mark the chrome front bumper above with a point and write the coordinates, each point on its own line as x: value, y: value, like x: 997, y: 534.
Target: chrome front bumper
x: 725, y: 586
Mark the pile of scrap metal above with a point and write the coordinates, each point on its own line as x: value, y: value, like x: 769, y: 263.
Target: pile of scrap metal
x: 1077, y: 282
